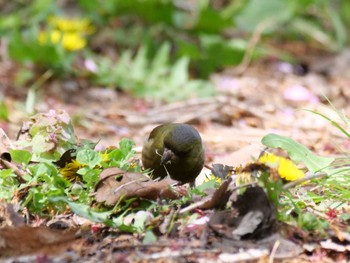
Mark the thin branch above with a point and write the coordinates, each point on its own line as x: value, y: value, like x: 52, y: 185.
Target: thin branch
x: 304, y: 179
x: 14, y: 168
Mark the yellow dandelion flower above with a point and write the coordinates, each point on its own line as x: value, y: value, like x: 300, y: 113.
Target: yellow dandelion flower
x: 54, y: 37
x: 73, y: 41
x: 69, y: 41
x: 78, y: 25
x: 69, y: 171
x: 213, y: 177
x: 244, y: 178
x: 104, y: 156
x: 286, y: 168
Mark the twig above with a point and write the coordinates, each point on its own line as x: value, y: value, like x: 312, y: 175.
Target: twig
x: 167, y: 223
x: 273, y: 251
x: 180, y: 105
x: 5, y: 142
x: 175, y: 112
x: 251, y: 45
x: 15, y: 169
x: 194, y: 206
x: 202, y: 202
x: 304, y: 179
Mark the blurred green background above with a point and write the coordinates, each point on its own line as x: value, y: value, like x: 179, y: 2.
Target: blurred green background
x: 153, y: 48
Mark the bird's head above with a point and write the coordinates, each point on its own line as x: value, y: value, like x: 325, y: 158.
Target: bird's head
x: 179, y: 142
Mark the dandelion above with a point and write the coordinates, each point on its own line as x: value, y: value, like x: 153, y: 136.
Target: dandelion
x: 69, y: 41
x: 70, y: 33
x: 104, y: 156
x: 213, y: 177
x: 69, y: 171
x: 286, y: 168
x: 77, y: 25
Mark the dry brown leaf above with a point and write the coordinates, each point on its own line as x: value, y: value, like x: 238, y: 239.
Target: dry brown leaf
x: 9, y: 215
x: 252, y: 216
x: 219, y: 198
x: 241, y: 157
x: 28, y: 240
x: 115, y: 184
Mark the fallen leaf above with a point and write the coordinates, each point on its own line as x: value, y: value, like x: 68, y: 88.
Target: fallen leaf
x: 116, y: 184
x: 9, y: 215
x: 24, y: 239
x: 252, y: 216
x: 219, y: 197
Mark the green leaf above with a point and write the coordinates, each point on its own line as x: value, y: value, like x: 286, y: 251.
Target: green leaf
x: 179, y: 74
x: 86, y: 211
x: 41, y: 145
x: 125, y: 145
x: 334, y: 123
x: 315, y: 31
x: 298, y: 152
x: 89, y: 157
x: 256, y: 12
x: 21, y: 156
x: 91, y: 177
x: 4, y: 113
x: 149, y: 238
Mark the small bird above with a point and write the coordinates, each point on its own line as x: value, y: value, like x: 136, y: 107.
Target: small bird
x: 176, y: 150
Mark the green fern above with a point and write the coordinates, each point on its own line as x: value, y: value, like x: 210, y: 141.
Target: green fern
x: 156, y: 78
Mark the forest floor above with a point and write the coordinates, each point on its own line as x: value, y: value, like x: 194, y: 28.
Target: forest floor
x: 270, y: 96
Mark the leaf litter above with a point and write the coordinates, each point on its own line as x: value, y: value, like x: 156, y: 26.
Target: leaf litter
x: 238, y: 124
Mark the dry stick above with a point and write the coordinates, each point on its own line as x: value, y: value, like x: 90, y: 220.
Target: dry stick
x: 15, y: 169
x: 169, y: 112
x: 202, y: 202
x: 304, y: 179
x: 251, y: 45
x: 180, y: 105
x: 274, y: 250
x: 286, y: 186
x: 165, y: 227
x: 5, y: 142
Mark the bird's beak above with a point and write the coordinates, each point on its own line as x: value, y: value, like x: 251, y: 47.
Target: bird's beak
x: 168, y: 156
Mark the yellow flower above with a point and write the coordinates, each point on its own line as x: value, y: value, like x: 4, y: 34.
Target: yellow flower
x: 70, y: 170
x: 213, y: 177
x: 69, y: 41
x: 68, y: 32
x: 73, y: 41
x: 75, y: 25
x: 104, y: 156
x: 286, y: 168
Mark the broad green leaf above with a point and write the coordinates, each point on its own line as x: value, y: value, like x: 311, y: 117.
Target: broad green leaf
x: 4, y: 113
x: 256, y: 12
x: 315, y: 31
x: 88, y: 157
x: 149, y: 238
x: 125, y: 146
x: 21, y: 156
x: 179, y: 73
x: 86, y: 211
x: 298, y: 152
x: 41, y: 145
x: 161, y: 59
x: 139, y: 66
x: 91, y: 177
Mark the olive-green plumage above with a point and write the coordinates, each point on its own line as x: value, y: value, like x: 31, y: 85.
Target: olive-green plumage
x: 176, y: 146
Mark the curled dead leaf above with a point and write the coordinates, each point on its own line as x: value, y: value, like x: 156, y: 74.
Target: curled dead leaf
x: 219, y: 197
x: 252, y: 216
x: 116, y: 184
